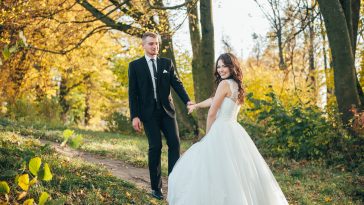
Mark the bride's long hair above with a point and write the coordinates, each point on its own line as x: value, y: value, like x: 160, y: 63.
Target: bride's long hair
x: 235, y: 70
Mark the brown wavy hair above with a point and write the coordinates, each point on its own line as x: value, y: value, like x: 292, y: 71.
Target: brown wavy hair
x: 236, y: 72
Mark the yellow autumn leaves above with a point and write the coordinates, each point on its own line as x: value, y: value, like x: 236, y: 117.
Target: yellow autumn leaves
x: 27, y: 180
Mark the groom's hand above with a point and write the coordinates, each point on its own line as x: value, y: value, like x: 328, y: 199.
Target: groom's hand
x: 137, y: 124
x: 191, y: 107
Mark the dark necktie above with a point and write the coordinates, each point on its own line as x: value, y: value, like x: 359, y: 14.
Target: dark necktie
x: 155, y: 79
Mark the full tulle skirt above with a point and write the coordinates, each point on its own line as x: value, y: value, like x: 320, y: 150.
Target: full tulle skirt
x: 224, y: 168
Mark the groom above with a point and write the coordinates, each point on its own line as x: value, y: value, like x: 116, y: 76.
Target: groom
x: 151, y: 104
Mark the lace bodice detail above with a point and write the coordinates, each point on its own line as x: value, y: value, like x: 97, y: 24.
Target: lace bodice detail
x: 230, y: 108
x: 234, y: 89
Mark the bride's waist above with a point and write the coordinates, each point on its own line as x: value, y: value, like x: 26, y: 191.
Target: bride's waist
x: 227, y: 117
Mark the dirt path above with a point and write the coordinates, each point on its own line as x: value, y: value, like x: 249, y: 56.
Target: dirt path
x: 137, y: 176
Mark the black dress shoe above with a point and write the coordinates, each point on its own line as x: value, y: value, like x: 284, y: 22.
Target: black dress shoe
x: 157, y: 194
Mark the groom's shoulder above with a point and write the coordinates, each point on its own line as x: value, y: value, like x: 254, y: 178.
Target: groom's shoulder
x: 166, y: 60
x: 136, y: 61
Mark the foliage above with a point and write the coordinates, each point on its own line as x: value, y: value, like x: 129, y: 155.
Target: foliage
x: 73, y: 182
x: 303, y: 182
x: 74, y: 140
x: 46, y: 111
x: 34, y: 33
x: 30, y: 176
x: 300, y: 132
x: 118, y: 122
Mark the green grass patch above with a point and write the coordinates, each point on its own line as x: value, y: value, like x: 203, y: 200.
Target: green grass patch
x: 303, y: 182
x: 312, y: 182
x: 132, y: 149
x: 74, y: 181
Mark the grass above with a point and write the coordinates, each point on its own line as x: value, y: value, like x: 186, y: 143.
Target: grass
x: 303, y: 182
x: 311, y: 182
x: 74, y: 181
x: 132, y: 149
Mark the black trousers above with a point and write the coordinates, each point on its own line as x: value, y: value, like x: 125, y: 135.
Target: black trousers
x: 160, y: 121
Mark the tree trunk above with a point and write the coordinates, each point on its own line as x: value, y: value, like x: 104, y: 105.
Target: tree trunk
x: 197, y: 68
x: 352, y: 12
x: 343, y: 59
x: 203, y: 60
x: 87, y: 111
x: 63, y: 91
x: 186, y: 122
x: 355, y: 9
x: 329, y: 88
x: 311, y: 56
x: 282, y: 64
x: 87, y: 114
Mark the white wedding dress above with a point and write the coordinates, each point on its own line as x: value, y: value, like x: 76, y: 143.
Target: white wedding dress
x: 225, y: 167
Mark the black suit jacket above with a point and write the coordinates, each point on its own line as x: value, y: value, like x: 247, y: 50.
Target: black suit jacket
x: 141, y: 94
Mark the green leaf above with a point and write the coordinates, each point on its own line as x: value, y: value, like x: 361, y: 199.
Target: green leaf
x: 33, y: 181
x: 29, y: 202
x: 6, y: 53
x: 13, y: 49
x: 34, y: 165
x: 4, y: 187
x: 43, y: 198
x: 47, y: 173
x: 67, y: 133
x: 76, y: 141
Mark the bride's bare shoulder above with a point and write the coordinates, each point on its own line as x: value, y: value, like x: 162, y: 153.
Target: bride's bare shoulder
x: 224, y: 83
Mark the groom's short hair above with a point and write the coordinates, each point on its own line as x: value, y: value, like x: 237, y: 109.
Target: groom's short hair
x: 149, y: 34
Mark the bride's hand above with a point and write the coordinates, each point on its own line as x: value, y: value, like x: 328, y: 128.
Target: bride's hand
x: 191, y: 108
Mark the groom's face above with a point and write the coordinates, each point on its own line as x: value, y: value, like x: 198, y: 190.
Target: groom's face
x: 151, y: 46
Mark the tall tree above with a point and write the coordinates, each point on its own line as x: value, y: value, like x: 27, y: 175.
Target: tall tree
x: 186, y: 122
x: 203, y: 51
x: 277, y: 21
x: 328, y: 73
x: 338, y: 17
x: 144, y: 18
x: 310, y: 37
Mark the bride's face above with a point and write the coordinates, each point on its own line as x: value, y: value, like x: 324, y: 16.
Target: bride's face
x: 223, y: 70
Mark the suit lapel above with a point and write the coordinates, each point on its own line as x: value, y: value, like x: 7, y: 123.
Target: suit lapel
x: 159, y: 69
x: 146, y: 69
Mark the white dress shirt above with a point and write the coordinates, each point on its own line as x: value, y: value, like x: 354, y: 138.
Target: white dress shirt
x: 151, y: 72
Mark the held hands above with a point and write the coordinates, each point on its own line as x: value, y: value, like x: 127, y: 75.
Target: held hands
x: 137, y: 124
x: 191, y: 107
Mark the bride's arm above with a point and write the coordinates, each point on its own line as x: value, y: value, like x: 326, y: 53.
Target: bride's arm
x: 203, y: 104
x: 221, y: 92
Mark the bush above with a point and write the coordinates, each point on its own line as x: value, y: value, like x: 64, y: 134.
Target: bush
x: 46, y: 111
x: 117, y: 122
x: 300, y: 132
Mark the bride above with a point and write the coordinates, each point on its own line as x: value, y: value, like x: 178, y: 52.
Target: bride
x: 225, y: 167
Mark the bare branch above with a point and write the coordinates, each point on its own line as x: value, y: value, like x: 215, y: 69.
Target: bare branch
x: 110, y: 22
x: 170, y: 7
x: 62, y: 52
x: 270, y: 18
x: 304, y: 25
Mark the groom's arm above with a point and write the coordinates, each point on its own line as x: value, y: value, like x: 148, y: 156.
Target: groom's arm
x: 133, y: 92
x: 177, y: 85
